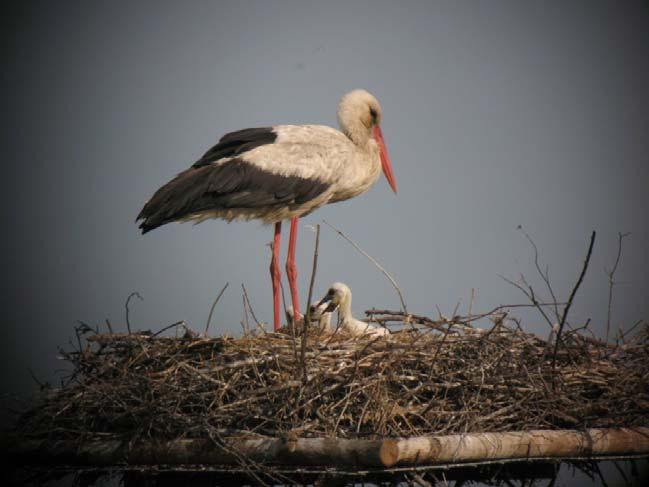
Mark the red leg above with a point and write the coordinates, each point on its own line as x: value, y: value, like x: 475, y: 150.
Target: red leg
x: 275, y: 275
x: 291, y: 268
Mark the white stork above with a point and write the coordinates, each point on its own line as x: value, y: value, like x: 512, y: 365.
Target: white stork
x: 278, y: 173
x: 339, y: 297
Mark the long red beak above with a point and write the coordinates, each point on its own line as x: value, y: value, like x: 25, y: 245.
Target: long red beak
x: 385, y: 158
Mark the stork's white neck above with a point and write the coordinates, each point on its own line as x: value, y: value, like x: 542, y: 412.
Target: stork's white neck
x: 345, y: 313
x: 357, y: 133
x: 345, y: 309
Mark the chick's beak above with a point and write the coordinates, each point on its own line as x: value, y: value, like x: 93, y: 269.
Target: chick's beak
x: 325, y: 305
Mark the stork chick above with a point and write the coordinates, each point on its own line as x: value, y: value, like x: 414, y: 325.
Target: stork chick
x: 339, y: 297
x: 320, y: 318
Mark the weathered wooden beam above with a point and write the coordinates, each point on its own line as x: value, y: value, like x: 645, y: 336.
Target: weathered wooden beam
x: 511, y: 445
x: 430, y: 450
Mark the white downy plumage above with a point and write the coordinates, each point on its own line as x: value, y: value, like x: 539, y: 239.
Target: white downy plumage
x: 339, y: 297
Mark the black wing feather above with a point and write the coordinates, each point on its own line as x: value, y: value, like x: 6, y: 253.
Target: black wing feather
x: 236, y: 143
x: 229, y: 185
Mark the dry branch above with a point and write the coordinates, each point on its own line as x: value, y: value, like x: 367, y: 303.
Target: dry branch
x: 128, y: 300
x: 218, y: 297
x: 611, y: 282
x: 373, y: 261
x: 307, y: 316
x: 566, y: 309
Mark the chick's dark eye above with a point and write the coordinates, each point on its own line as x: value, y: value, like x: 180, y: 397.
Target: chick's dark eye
x: 373, y: 114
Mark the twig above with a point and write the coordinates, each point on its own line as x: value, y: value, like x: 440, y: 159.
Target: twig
x: 506, y: 306
x: 635, y: 325
x: 572, y: 296
x: 252, y: 312
x: 244, y: 322
x: 529, y: 292
x: 177, y: 323
x: 622, y: 474
x: 544, y: 275
x: 76, y: 332
x: 110, y: 328
x: 128, y: 323
x: 611, y: 282
x: 307, y: 317
x: 471, y: 304
x: 373, y: 260
x: 458, y: 321
x: 209, y: 317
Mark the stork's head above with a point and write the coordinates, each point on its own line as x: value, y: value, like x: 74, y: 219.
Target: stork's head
x: 359, y: 116
x: 338, y: 295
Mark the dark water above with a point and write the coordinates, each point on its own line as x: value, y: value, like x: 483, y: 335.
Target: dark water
x: 634, y: 473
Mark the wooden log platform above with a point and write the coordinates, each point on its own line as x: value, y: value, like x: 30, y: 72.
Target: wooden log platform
x: 336, y: 452
x: 533, y: 444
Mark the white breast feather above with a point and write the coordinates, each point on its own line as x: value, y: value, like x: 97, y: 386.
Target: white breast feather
x: 319, y: 152
x: 310, y: 152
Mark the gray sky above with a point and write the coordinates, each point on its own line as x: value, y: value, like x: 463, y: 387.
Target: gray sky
x: 496, y: 114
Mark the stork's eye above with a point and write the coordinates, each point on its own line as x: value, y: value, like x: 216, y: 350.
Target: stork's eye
x: 373, y: 114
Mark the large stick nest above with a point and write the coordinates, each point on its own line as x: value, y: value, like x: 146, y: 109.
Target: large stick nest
x: 428, y: 377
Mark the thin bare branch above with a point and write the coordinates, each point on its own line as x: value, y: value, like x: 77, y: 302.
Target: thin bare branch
x: 529, y: 292
x: 177, y: 323
x: 209, y: 317
x: 572, y: 296
x: 611, y: 281
x: 633, y: 327
x: 307, y: 316
x: 470, y: 309
x: 110, y: 328
x: 252, y: 312
x: 128, y: 300
x: 545, y: 275
x: 244, y: 322
x: 374, y: 261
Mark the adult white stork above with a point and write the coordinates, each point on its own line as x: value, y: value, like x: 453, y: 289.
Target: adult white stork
x: 278, y: 173
x: 339, y: 297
